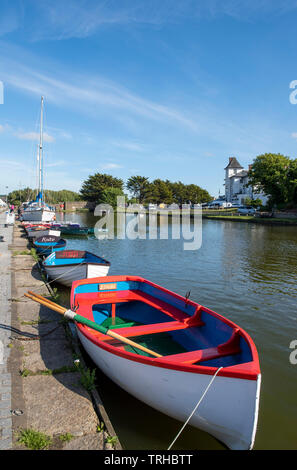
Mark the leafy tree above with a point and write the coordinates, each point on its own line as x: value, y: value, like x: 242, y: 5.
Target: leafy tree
x: 18, y: 196
x: 178, y: 192
x: 159, y: 192
x: 270, y: 173
x: 110, y: 195
x: 196, y: 195
x: 292, y: 180
x: 93, y: 188
x: 138, y: 186
x: 253, y: 202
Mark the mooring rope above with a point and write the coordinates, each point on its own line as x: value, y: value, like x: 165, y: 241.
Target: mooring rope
x: 194, y: 410
x: 36, y: 337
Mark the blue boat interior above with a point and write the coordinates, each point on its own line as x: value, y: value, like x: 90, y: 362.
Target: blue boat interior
x: 209, y: 334
x: 45, y: 248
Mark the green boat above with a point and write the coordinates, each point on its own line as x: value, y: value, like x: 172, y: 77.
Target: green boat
x: 73, y: 229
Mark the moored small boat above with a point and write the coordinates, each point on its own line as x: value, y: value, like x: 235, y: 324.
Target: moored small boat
x: 69, y: 265
x: 73, y: 230
x: 47, y: 244
x: 196, y: 346
x: 38, y: 210
x: 42, y: 232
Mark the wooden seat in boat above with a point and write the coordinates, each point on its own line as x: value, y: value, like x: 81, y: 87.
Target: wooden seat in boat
x: 228, y: 348
x: 87, y: 300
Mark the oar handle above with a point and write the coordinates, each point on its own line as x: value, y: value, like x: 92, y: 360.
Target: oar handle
x: 85, y: 321
x: 44, y: 301
x: 47, y: 300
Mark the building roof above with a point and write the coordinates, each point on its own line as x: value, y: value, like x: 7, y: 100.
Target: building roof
x: 233, y: 163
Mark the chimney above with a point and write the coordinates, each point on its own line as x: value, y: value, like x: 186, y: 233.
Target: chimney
x: 230, y: 159
x: 250, y: 167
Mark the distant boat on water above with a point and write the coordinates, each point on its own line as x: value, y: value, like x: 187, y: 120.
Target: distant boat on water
x: 38, y: 211
x: 71, y: 229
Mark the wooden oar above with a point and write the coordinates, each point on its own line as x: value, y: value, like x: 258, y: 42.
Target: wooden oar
x: 85, y: 321
x: 44, y: 298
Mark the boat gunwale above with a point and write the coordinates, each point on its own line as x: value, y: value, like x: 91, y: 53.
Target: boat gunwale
x: 247, y: 370
x: 59, y: 243
x: 106, y: 263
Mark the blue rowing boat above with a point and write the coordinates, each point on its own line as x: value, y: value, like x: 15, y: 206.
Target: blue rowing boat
x: 69, y: 265
x: 47, y: 244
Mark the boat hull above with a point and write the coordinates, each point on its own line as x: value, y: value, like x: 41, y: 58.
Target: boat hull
x: 228, y: 411
x: 39, y: 215
x: 43, y: 233
x: 46, y: 245
x: 81, y: 231
x: 67, y: 274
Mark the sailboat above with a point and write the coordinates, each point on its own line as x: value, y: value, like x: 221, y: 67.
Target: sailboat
x: 38, y: 211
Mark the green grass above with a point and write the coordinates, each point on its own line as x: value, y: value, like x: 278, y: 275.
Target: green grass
x: 61, y: 370
x: 66, y: 437
x: 21, y: 252
x: 35, y: 322
x: 111, y: 440
x: 252, y: 219
x: 34, y: 254
x: 34, y: 440
x: 87, y: 379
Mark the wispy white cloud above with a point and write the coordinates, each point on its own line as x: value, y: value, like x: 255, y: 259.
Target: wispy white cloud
x: 35, y: 136
x: 134, y: 146
x: 107, y: 101
x: 90, y: 95
x: 11, y: 164
x: 4, y: 128
x: 111, y: 166
x: 11, y: 17
x: 56, y: 20
x: 55, y: 164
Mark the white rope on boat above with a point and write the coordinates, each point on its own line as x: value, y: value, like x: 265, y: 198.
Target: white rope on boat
x: 46, y: 283
x: 65, y: 272
x: 194, y: 410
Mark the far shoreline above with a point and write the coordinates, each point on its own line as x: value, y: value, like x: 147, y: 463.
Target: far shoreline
x: 253, y: 220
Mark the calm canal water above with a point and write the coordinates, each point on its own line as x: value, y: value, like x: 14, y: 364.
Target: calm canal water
x: 245, y: 272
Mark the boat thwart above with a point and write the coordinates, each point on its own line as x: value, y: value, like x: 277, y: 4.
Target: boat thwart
x: 193, y: 342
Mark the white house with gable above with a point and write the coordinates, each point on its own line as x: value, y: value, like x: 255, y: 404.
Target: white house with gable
x: 236, y: 184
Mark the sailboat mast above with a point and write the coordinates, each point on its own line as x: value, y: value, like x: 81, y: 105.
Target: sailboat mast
x: 40, y: 182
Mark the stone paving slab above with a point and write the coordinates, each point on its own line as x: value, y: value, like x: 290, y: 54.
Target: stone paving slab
x: 58, y: 404
x: 5, y: 321
x: 55, y: 403
x: 51, y: 354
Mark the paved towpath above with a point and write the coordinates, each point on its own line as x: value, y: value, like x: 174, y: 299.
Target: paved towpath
x: 5, y: 333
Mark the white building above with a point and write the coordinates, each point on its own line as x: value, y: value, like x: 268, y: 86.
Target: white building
x: 236, y: 184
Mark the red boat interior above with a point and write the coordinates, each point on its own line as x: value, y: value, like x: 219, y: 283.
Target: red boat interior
x: 180, y: 330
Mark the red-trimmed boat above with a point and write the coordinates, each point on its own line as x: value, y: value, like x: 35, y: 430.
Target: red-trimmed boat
x: 193, y: 341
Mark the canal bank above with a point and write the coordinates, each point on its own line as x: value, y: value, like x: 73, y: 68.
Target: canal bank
x: 46, y: 392
x: 253, y: 220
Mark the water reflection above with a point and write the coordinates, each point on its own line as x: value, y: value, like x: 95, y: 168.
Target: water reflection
x: 243, y: 271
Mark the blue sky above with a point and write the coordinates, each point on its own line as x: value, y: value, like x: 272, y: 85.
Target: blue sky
x: 166, y: 89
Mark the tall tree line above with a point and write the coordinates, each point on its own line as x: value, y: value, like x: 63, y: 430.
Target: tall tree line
x: 103, y: 188
x: 18, y: 196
